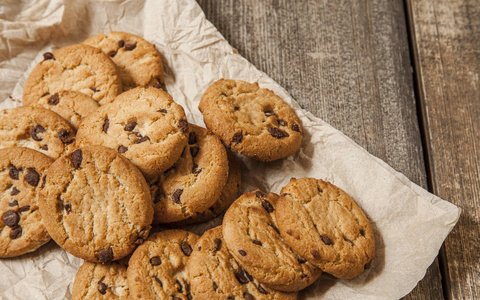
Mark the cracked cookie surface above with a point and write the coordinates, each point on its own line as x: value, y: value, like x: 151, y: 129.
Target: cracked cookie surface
x: 144, y: 124
x: 194, y: 182
x: 138, y: 62
x: 96, y: 204
x: 78, y: 68
x: 36, y: 128
x: 325, y: 226
x: 157, y: 268
x: 251, y: 235
x: 252, y: 121
x: 21, y: 225
x: 99, y: 281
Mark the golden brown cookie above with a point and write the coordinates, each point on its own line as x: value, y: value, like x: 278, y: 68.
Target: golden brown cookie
x: 324, y: 225
x: 78, y: 68
x: 215, y: 274
x: 251, y: 235
x: 96, y: 204
x: 157, y: 269
x: 138, y: 62
x: 254, y: 122
x: 21, y: 225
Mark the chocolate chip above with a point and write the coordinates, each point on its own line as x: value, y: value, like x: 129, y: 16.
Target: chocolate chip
x: 105, y: 256
x: 269, y: 113
x: 65, y: 136
x: 158, y: 85
x: 102, y: 288
x: 241, y: 277
x: 362, y: 232
x: 196, y: 170
x: 319, y: 189
x: 141, y: 140
x: 121, y: 43
x: 259, y: 194
x: 68, y: 208
x: 13, y: 203
x: 267, y: 206
x: 143, y: 233
x: 162, y: 110
x: 237, y: 138
x: 301, y: 261
x: 155, y: 261
x: 242, y: 253
x: 275, y: 228
x: 215, y: 286
x: 16, y: 232
x: 277, y: 133
x: 112, y: 53
x: 106, y: 124
x: 24, y: 208
x: 262, y: 290
x: 36, y: 131
x: 192, y: 138
x: 285, y: 194
x: 94, y: 89
x: 76, y: 157
x: 326, y: 240
x: 32, y: 177
x: 281, y: 122
x: 180, y: 286
x: 158, y: 281
x: 47, y: 93
x: 199, y: 248
x: 122, y: 149
x: 44, y: 147
x: 231, y: 298
x: 130, y: 126
x: 176, y: 196
x: 314, y: 253
x: 256, y: 242
x: 194, y: 151
x: 348, y: 241
x: 296, y: 128
x: 248, y: 296
x: 236, y: 108
x: 186, y: 248
x: 303, y: 275
x: 183, y: 125
x: 48, y: 55
x: 54, y: 99
x: 14, y: 191
x: 130, y: 47
x: 13, y: 172
x: 223, y: 94
x: 11, y: 218
x: 218, y: 244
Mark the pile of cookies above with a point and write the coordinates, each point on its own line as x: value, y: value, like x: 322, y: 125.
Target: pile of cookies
x: 100, y: 151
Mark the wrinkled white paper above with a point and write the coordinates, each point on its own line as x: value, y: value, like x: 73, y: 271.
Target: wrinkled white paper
x: 410, y: 224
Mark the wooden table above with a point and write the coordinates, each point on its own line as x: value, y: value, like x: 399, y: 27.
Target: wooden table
x: 401, y: 78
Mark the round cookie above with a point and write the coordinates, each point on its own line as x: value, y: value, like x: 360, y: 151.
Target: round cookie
x: 215, y: 274
x: 157, y: 269
x: 195, y: 181
x: 251, y: 235
x: 96, y: 204
x: 138, y: 62
x: 70, y: 105
x: 252, y: 121
x: 36, y: 128
x: 98, y: 281
x: 144, y: 124
x: 324, y: 225
x: 78, y: 68
x: 21, y: 226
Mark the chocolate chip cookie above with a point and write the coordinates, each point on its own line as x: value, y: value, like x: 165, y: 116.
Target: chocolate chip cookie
x: 96, y: 204
x: 99, y: 281
x: 36, y: 128
x: 251, y: 235
x: 195, y: 181
x: 252, y: 121
x: 325, y: 226
x: 157, y: 269
x: 21, y: 226
x: 70, y: 105
x: 144, y: 124
x: 214, y: 273
x: 138, y: 62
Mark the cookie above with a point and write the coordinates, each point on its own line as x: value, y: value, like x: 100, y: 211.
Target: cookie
x: 252, y: 121
x: 78, y: 68
x: 157, y: 269
x: 227, y: 196
x: 195, y: 181
x: 214, y: 273
x: 70, y: 105
x: 251, y: 235
x: 324, y: 225
x: 21, y: 226
x: 96, y: 204
x: 36, y: 128
x: 144, y: 124
x: 98, y: 281
x: 138, y: 62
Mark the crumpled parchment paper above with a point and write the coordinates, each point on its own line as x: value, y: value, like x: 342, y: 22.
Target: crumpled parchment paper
x: 410, y: 223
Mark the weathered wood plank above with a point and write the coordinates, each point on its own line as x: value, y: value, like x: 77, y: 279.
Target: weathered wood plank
x: 447, y: 52
x: 345, y: 61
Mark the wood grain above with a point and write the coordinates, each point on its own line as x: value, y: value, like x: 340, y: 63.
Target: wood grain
x: 345, y: 61
x: 447, y: 52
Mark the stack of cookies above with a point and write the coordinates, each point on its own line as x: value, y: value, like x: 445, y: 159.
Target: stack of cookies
x: 100, y: 152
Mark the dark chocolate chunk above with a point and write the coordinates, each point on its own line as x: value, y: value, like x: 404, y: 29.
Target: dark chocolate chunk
x: 192, y: 138
x: 237, y: 138
x: 94, y: 89
x: 44, y: 147
x: 256, y: 242
x: 301, y: 261
x: 106, y: 124
x: 68, y: 208
x: 24, y: 208
x: 121, y: 43
x: 102, y: 288
x: 176, y: 196
x: 223, y: 94
x: 36, y: 131
x: 281, y: 122
x: 122, y: 149
x: 158, y: 281
x: 130, y: 126
x: 277, y: 133
x: 65, y: 136
x: 105, y: 256
x: 236, y: 108
x: 76, y: 157
x: 348, y: 241
x: 275, y: 228
x: 13, y: 172
x: 242, y: 252
x: 16, y: 232
x: 215, y: 286
x: 285, y: 194
x: 186, y: 248
x: 54, y: 99
x: 162, y: 110
x: 141, y: 140
x: 112, y: 53
x: 362, y: 232
x: 269, y: 113
x: 262, y: 290
x: 130, y: 47
x: 47, y: 93
x: 199, y: 248
x: 296, y: 128
x: 48, y: 55
x: 319, y: 189
x: 259, y: 194
x: 183, y: 125
x: 180, y: 286
x: 248, y: 296
x: 14, y: 191
x: 241, y: 277
x: 314, y: 253
x: 194, y: 151
x: 155, y: 261
x: 11, y: 218
x: 13, y: 203
x: 32, y: 177
x: 196, y: 170
x: 218, y: 244
x: 267, y: 206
